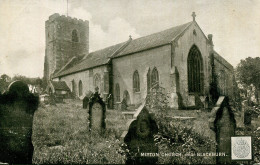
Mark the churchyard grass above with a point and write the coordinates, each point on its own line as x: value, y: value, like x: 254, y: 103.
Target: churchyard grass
x: 61, y: 136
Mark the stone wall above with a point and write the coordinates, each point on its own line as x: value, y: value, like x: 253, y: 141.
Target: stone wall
x: 60, y: 47
x: 87, y: 78
x: 181, y: 48
x: 124, y: 68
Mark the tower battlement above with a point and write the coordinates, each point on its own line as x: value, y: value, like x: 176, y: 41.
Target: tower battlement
x: 66, y: 37
x: 58, y: 17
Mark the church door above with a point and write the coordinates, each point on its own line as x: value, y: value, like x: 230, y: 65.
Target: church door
x: 195, y: 71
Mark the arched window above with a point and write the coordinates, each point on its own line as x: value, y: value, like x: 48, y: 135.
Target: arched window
x: 73, y: 87
x: 97, y: 81
x: 154, y: 78
x: 75, y: 37
x: 148, y: 78
x: 136, y: 82
x: 80, y: 88
x: 195, y: 71
x: 117, y: 91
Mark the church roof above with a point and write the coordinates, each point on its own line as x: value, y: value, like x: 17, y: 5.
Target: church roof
x: 60, y: 85
x: 102, y: 57
x: 97, y: 58
x: 154, y: 40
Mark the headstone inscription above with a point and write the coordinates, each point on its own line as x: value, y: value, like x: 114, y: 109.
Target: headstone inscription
x: 139, y: 138
x: 17, y: 108
x: 223, y: 123
x: 97, y: 114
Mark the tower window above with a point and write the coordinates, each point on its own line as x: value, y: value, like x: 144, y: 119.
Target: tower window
x: 75, y: 37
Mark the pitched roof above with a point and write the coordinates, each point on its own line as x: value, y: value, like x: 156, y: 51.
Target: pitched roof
x: 223, y: 61
x: 93, y: 59
x: 103, y: 56
x: 60, y: 85
x: 154, y: 40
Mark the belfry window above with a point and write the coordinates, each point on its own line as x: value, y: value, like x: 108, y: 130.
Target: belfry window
x: 136, y: 82
x: 195, y: 71
x: 75, y: 37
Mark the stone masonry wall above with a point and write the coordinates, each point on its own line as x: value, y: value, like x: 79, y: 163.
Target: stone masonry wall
x: 59, y: 45
x: 124, y: 68
x: 181, y: 50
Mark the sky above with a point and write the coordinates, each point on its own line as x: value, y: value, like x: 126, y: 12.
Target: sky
x: 234, y: 24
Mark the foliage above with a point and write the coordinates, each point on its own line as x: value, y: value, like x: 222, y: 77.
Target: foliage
x: 27, y: 80
x: 61, y: 136
x: 248, y: 72
x: 173, y: 138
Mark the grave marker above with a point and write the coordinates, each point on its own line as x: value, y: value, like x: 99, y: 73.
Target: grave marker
x: 97, y: 114
x: 222, y: 121
x: 17, y: 108
x: 139, y: 138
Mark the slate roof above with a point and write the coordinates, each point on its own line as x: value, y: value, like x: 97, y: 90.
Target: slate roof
x: 223, y: 61
x: 60, y: 85
x: 93, y: 59
x: 154, y: 40
x: 103, y: 56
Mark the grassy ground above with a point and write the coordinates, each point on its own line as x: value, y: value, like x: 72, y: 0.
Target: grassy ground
x: 60, y: 135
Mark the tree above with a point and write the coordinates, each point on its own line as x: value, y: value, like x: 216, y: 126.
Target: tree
x: 248, y: 73
x: 4, y: 82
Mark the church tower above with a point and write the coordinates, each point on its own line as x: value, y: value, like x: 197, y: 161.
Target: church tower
x: 65, y: 37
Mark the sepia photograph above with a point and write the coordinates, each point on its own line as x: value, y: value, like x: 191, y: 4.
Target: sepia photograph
x: 130, y: 82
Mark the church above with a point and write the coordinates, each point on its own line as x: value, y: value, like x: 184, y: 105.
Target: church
x: 181, y: 60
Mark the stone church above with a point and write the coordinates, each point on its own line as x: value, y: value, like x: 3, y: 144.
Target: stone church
x: 180, y: 59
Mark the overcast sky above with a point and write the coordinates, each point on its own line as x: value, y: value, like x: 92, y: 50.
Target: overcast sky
x: 234, y: 24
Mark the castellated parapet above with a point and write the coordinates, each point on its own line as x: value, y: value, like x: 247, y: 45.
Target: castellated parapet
x: 65, y: 38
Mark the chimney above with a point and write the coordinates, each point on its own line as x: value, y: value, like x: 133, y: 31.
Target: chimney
x: 210, y: 36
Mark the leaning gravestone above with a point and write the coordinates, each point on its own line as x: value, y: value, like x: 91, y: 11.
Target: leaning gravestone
x: 223, y: 123
x: 97, y: 114
x: 17, y: 108
x: 139, y: 138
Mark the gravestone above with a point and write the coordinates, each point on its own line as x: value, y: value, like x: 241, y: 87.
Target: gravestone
x: 139, y: 138
x: 97, y: 114
x: 85, y: 102
x: 223, y: 123
x: 17, y: 108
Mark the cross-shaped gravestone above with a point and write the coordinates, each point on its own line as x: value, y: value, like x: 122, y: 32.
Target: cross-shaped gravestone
x: 139, y: 138
x: 97, y: 114
x: 17, y: 108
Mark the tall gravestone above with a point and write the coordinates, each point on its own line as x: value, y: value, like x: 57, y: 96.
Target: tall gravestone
x: 97, y: 114
x: 223, y: 123
x: 17, y: 108
x: 139, y: 138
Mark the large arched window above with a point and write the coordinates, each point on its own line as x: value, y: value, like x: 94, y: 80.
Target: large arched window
x: 80, y: 88
x: 117, y: 91
x: 97, y: 81
x: 75, y: 37
x: 195, y: 71
x: 136, y: 82
x: 155, y: 77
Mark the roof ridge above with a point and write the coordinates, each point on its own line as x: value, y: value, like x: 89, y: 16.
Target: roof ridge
x: 163, y: 30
